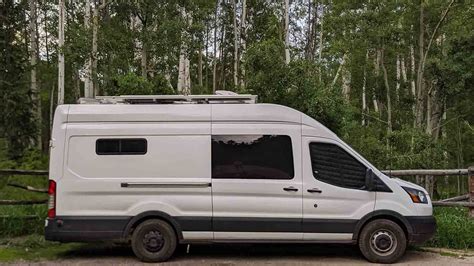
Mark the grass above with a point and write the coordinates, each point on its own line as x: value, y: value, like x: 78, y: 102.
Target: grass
x: 33, y: 248
x: 455, y: 229
x: 16, y: 225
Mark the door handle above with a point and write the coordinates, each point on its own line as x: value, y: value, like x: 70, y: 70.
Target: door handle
x: 314, y: 190
x: 290, y: 189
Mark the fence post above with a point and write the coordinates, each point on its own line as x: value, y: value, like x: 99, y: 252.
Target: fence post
x: 471, y: 189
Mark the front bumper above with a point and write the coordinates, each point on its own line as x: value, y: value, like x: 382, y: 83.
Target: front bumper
x: 423, y: 228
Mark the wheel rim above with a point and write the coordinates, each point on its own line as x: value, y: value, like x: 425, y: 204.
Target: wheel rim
x: 383, y: 242
x: 153, y: 241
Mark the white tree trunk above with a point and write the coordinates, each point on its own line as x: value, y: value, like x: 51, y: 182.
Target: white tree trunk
x: 61, y: 22
x: 398, y: 77
x: 387, y: 87
x: 346, y: 78
x: 364, y: 84
x: 321, y: 31
x: 214, y: 60
x: 33, y: 82
x: 184, y: 77
x: 243, y: 22
x: 338, y: 71
x: 376, y: 72
x: 420, y: 99
x: 375, y: 103
x: 413, y: 85
x: 51, y: 107
x: 88, y: 65
x: 167, y: 72
x: 413, y: 74
x: 287, y: 31
x: 93, y: 72
x: 236, y: 45
x: 200, y: 79
x: 182, y: 88
x: 403, y: 69
x: 144, y: 61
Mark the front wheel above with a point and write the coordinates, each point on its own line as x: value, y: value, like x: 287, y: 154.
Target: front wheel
x: 382, y: 241
x: 154, y: 241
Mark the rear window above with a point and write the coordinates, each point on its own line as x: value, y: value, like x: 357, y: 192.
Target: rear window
x: 121, y: 146
x: 252, y: 157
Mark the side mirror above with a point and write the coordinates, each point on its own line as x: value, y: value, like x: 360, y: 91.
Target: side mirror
x: 370, y: 180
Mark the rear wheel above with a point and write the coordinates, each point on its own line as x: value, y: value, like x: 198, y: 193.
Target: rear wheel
x: 154, y: 241
x: 382, y: 241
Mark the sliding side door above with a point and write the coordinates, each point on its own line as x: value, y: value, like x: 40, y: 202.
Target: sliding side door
x: 256, y: 181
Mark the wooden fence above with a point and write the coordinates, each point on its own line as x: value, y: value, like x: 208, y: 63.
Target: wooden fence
x: 466, y: 200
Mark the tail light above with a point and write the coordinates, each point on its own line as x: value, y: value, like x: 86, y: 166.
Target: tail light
x: 52, y: 199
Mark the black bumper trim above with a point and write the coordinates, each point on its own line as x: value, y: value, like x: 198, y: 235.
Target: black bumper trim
x: 85, y: 229
x: 100, y: 228
x: 424, y: 228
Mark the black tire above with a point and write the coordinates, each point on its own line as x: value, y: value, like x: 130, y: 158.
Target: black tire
x: 154, y: 241
x: 382, y: 241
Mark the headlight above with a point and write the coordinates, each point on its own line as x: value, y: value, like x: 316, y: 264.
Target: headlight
x: 417, y: 196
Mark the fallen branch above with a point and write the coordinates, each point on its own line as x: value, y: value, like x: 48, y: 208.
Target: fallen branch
x: 23, y: 172
x: 25, y: 217
x: 29, y: 188
x: 457, y: 198
x: 22, y: 202
x: 453, y: 204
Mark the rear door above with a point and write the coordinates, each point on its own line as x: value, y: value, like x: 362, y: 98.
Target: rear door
x: 334, y: 194
x: 256, y: 181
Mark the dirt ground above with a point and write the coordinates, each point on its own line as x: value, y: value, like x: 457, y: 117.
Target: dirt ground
x: 261, y: 254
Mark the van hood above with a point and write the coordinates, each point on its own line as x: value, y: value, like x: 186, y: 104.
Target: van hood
x: 404, y: 183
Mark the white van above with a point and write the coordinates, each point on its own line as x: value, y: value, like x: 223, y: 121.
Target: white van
x: 166, y: 170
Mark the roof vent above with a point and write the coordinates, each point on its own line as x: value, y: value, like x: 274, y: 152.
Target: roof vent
x: 226, y: 93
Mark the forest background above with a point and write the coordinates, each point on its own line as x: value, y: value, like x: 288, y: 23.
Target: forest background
x: 394, y: 79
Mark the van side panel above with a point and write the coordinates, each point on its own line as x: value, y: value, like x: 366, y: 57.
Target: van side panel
x: 173, y: 177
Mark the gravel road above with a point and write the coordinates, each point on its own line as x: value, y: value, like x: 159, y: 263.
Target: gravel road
x: 240, y: 254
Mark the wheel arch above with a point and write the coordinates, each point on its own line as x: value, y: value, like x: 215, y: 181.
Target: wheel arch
x: 383, y: 214
x: 136, y: 220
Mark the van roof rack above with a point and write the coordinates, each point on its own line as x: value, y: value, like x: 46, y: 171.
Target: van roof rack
x: 172, y: 99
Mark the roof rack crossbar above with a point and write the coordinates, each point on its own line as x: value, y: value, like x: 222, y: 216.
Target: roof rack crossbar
x: 171, y: 99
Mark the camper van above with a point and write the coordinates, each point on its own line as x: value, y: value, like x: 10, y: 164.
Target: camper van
x: 160, y: 171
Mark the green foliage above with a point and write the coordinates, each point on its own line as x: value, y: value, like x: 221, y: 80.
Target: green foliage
x: 455, y: 229
x: 295, y: 85
x: 132, y: 84
x: 407, y: 148
x: 22, y: 220
x: 16, y: 123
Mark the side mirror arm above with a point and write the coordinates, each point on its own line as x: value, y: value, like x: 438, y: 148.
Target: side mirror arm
x: 370, y: 180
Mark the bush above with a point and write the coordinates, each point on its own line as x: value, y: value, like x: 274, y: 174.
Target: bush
x: 455, y: 229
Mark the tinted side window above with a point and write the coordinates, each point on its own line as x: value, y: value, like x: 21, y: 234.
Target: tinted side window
x: 333, y: 165
x: 252, y: 157
x: 107, y: 146
x: 121, y: 146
